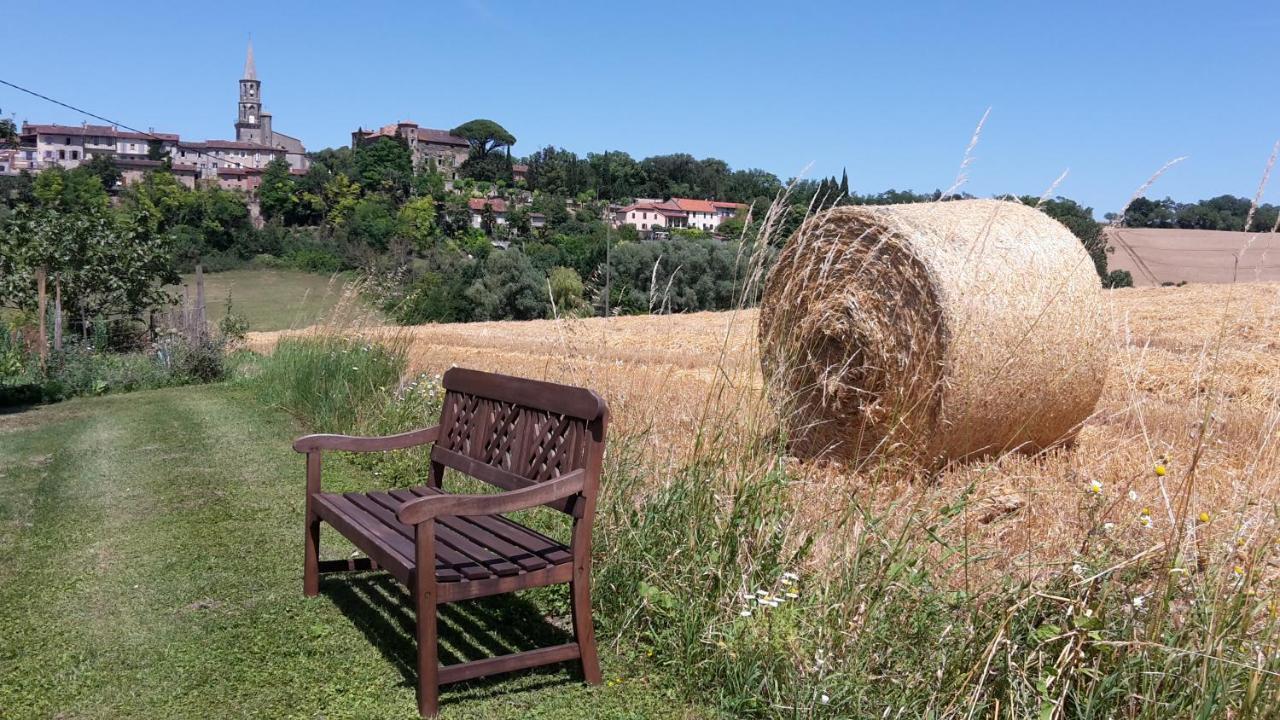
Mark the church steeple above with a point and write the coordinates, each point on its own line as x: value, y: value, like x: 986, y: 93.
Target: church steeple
x: 250, y: 72
x: 250, y: 124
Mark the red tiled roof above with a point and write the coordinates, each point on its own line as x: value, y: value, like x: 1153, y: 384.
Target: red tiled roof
x: 519, y: 168
x: 477, y: 204
x: 238, y: 171
x: 231, y: 145
x: 728, y: 205
x: 440, y: 137
x: 95, y: 130
x: 688, y: 205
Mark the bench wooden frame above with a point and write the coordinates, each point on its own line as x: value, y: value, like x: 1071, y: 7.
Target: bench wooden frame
x: 542, y: 444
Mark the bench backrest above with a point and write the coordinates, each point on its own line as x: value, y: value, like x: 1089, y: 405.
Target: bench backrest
x: 513, y: 432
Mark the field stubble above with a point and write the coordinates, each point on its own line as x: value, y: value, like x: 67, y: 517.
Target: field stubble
x: 1192, y: 359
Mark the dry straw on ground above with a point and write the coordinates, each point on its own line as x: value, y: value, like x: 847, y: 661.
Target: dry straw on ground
x: 939, y: 330
x: 1185, y: 354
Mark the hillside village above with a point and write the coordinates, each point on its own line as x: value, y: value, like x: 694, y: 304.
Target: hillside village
x: 239, y: 164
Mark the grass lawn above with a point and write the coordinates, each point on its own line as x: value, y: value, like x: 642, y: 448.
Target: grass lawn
x: 150, y: 567
x: 270, y: 299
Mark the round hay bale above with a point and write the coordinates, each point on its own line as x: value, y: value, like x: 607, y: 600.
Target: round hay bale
x: 933, y: 331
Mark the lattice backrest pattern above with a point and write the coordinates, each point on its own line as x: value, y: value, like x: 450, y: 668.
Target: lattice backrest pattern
x: 536, y: 444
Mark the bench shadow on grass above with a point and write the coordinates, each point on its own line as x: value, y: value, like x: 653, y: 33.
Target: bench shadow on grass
x: 382, y: 609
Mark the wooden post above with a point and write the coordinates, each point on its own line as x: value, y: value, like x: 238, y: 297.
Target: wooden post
x: 42, y: 303
x: 185, y: 313
x: 57, y: 314
x: 201, y: 326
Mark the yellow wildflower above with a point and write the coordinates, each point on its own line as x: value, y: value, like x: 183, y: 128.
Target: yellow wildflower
x: 1204, y: 517
x: 1160, y: 471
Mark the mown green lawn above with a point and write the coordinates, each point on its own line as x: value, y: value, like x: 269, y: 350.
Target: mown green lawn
x: 270, y: 299
x: 150, y: 567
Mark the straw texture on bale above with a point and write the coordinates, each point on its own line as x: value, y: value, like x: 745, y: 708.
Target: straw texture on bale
x: 933, y: 331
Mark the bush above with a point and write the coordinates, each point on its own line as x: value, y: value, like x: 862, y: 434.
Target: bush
x: 314, y: 260
x: 1118, y: 279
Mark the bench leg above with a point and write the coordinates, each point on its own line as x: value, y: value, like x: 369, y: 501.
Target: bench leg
x: 311, y: 557
x: 424, y: 593
x: 583, y: 629
x: 311, y: 561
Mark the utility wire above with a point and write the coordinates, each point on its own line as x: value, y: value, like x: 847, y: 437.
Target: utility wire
x: 109, y: 121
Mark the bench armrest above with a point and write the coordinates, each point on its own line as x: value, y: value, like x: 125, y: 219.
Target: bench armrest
x: 352, y: 443
x: 427, y: 508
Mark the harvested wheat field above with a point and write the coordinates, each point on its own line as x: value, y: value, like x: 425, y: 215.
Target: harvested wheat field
x: 1194, y: 388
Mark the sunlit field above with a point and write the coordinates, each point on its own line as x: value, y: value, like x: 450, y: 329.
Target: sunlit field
x: 1194, y: 357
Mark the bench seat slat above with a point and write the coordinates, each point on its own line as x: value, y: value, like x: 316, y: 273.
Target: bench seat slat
x: 468, y: 549
x: 468, y: 567
x: 512, y: 534
x: 445, y: 571
x: 445, y: 533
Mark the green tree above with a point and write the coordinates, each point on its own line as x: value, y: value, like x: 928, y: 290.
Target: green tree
x: 615, y: 174
x: 69, y: 190
x: 510, y: 288
x: 157, y: 151
x: 494, y: 168
x: 222, y: 218
x: 484, y: 136
x: 104, y: 168
x: 9, y: 134
x: 159, y: 200
x: 417, y: 222
x: 455, y: 220
x: 335, y: 161
x: 276, y: 192
x: 341, y: 196
x: 559, y: 172
x: 105, y: 267
x: 566, y: 291
x: 1144, y: 213
x: 385, y: 166
x: 438, y: 293
x: 373, y: 221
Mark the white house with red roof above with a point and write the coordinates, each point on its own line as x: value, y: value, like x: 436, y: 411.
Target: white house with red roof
x: 646, y: 216
x: 497, y: 206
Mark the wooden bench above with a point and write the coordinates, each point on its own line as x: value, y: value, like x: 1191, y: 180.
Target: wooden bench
x: 542, y: 444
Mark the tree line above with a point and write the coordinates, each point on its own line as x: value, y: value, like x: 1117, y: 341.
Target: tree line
x: 369, y: 209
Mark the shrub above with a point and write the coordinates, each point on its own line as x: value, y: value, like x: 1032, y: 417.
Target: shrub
x: 1118, y: 279
x: 314, y: 260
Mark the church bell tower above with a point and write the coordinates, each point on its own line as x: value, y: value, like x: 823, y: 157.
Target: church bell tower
x: 249, y: 125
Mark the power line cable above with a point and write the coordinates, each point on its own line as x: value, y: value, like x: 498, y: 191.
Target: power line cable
x: 109, y: 121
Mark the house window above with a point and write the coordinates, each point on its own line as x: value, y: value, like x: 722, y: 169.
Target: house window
x: 48, y: 154
x: 75, y: 154
x: 66, y: 141
x: 644, y: 226
x: 62, y: 154
x: 633, y: 215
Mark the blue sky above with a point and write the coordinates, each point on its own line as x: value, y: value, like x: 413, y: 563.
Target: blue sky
x: 892, y: 91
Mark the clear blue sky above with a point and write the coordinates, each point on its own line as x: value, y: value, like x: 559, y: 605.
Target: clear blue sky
x: 892, y: 91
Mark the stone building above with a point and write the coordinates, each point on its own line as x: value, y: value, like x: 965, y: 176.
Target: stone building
x: 429, y: 147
